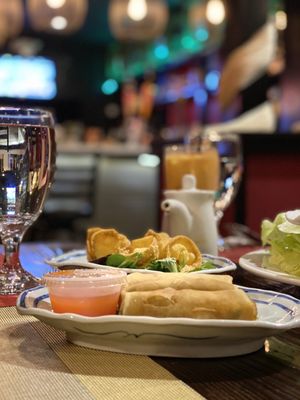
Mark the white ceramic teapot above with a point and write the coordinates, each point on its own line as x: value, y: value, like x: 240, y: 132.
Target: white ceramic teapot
x: 190, y: 212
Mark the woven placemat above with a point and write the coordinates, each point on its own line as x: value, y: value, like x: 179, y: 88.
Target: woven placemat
x: 38, y: 363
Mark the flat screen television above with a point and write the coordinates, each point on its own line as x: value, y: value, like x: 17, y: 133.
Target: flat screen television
x: 31, y: 78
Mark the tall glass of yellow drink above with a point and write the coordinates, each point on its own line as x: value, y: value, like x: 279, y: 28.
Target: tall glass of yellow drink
x: 203, y: 163
x: 215, y: 159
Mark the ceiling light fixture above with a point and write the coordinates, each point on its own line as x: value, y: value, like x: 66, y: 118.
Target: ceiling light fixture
x: 281, y: 20
x: 55, y: 3
x: 61, y: 16
x: 59, y: 23
x: 137, y: 9
x: 215, y: 12
x: 137, y: 20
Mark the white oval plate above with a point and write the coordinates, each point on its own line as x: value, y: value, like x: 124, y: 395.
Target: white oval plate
x: 252, y: 262
x: 78, y: 258
x: 170, y: 337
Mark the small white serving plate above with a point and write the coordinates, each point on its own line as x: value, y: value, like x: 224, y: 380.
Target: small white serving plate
x: 253, y: 263
x: 171, y: 337
x: 79, y: 258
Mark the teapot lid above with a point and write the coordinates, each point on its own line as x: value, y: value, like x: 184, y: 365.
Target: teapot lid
x: 189, y: 186
x: 189, y: 182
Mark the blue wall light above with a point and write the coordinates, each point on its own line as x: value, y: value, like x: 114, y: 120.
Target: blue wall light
x: 212, y: 80
x: 161, y: 51
x: 201, y: 34
x: 200, y: 96
x: 188, y: 42
x: 110, y: 86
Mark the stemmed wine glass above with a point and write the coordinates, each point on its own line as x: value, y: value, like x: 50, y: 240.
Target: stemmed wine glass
x: 27, y: 161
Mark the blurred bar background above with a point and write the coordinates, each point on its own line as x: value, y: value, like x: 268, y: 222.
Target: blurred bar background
x: 125, y: 77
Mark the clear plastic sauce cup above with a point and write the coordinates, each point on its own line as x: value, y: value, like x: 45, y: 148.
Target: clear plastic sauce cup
x: 84, y: 291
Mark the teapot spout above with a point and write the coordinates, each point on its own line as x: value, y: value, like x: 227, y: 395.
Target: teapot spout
x: 177, y: 219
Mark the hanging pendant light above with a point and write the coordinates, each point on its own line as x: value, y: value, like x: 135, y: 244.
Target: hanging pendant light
x: 207, y: 19
x: 215, y: 12
x: 210, y: 11
x: 11, y: 19
x: 137, y: 20
x: 61, y: 16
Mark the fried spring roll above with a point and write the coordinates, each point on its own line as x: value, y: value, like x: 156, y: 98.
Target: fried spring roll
x: 189, y: 303
x: 146, y: 282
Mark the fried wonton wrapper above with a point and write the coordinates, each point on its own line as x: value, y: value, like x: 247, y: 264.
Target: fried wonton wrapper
x: 104, y: 242
x: 89, y: 245
x: 184, y: 250
x: 152, y: 246
x: 162, y: 240
x: 146, y: 246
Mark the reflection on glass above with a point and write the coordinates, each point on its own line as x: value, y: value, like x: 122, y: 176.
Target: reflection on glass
x: 27, y: 159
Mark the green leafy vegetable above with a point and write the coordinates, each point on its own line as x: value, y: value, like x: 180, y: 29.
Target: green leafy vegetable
x: 168, y: 264
x: 283, y: 238
x: 205, y: 265
x: 163, y: 265
x: 121, y: 261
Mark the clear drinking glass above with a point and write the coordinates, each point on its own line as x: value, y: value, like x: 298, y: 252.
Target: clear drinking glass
x: 215, y: 159
x: 197, y: 159
x: 27, y: 162
x: 228, y: 146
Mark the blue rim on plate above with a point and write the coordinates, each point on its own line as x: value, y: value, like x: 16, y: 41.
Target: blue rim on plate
x: 170, y: 337
x: 38, y: 298
x: 79, y: 258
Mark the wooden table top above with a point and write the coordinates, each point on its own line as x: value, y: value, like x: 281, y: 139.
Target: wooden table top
x: 270, y: 373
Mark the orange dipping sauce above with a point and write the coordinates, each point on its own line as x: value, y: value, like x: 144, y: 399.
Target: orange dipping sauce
x: 85, y: 291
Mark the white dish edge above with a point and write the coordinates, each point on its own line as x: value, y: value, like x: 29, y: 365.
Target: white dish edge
x: 78, y: 258
x: 249, y: 265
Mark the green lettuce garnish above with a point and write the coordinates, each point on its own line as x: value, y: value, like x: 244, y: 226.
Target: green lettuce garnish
x: 168, y: 264
x: 205, y: 265
x: 283, y: 238
x: 121, y: 261
x: 164, y: 265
